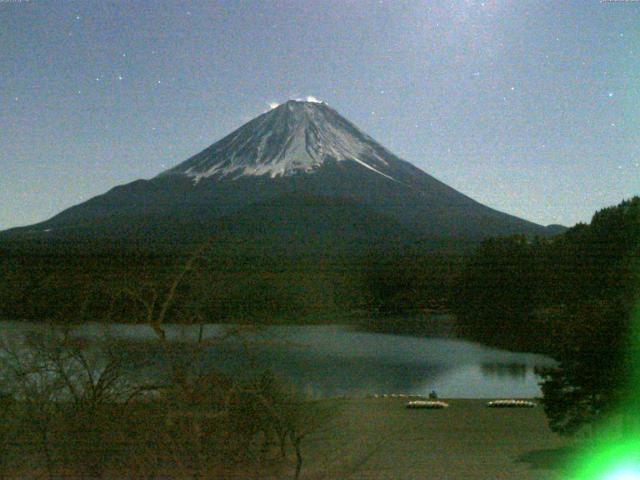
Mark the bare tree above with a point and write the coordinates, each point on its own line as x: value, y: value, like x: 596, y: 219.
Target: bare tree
x: 88, y: 413
x: 73, y: 394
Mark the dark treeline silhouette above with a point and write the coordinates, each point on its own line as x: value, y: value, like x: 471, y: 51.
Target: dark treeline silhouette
x: 517, y: 293
x: 62, y: 281
x: 572, y: 297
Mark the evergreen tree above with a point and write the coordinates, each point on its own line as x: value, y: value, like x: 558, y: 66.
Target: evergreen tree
x: 594, y: 347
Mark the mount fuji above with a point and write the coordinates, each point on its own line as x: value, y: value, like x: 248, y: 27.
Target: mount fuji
x: 299, y: 174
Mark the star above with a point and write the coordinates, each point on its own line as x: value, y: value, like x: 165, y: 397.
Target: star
x: 119, y: 77
x: 77, y: 17
x: 610, y: 94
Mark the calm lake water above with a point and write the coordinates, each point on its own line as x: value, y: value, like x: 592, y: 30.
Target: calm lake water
x: 329, y: 361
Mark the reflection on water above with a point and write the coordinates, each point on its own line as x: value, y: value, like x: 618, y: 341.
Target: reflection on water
x: 327, y: 361
x: 513, y: 370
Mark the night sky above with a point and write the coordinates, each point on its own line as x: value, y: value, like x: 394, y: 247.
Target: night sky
x: 530, y: 107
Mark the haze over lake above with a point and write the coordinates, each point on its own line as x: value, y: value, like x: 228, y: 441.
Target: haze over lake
x: 333, y: 360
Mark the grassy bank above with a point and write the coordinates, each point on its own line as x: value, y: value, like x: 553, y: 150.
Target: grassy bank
x: 374, y: 439
x: 380, y: 439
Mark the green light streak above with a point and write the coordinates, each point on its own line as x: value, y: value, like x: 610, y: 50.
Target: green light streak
x: 614, y: 453
x: 614, y: 460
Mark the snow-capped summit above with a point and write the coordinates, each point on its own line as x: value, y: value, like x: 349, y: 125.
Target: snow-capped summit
x: 295, y: 137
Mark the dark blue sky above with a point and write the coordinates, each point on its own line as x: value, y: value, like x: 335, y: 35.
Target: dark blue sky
x: 531, y: 107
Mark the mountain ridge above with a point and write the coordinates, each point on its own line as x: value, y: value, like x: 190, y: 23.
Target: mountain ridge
x: 300, y: 147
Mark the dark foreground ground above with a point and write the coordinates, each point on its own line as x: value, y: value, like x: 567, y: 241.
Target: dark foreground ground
x: 380, y: 439
x: 376, y: 439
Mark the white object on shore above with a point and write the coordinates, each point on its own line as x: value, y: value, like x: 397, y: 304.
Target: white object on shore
x: 510, y: 403
x: 426, y: 404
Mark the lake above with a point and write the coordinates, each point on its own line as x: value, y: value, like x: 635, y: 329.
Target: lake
x: 333, y: 360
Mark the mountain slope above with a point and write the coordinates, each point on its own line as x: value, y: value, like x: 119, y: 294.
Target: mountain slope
x: 299, y: 150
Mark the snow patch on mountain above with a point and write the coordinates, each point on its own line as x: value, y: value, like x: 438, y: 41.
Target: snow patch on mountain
x: 310, y: 99
x: 295, y: 137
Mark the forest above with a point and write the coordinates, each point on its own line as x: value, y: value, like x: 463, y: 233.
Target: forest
x: 512, y: 292
x: 570, y: 297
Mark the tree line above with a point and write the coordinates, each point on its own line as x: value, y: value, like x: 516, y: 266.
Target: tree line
x: 84, y: 281
x: 570, y: 296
